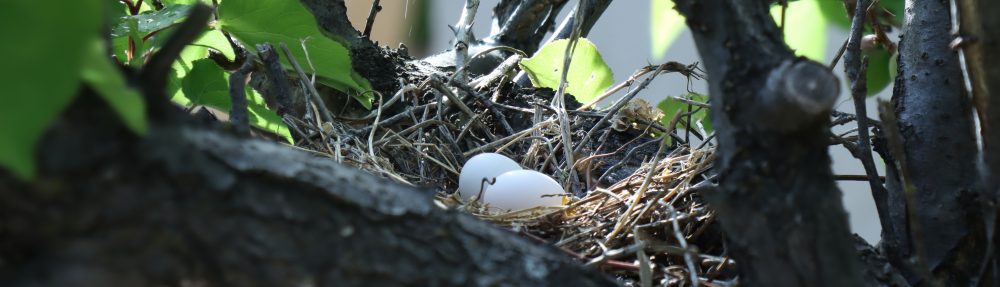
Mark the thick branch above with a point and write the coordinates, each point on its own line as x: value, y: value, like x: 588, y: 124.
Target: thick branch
x: 522, y: 24
x: 190, y: 205
x: 777, y: 201
x: 331, y: 15
x: 935, y: 119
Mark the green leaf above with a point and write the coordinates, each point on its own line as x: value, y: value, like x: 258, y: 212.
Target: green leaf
x: 588, y: 75
x: 665, y: 24
x: 150, y: 21
x: 107, y: 80
x: 42, y: 73
x: 670, y: 106
x: 805, y: 28
x: 834, y: 12
x: 879, y: 73
x: 208, y: 85
x: 216, y: 40
x: 281, y: 21
x: 896, y: 8
x: 198, y: 50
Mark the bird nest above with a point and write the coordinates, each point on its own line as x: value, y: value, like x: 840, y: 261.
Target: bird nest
x: 636, y: 210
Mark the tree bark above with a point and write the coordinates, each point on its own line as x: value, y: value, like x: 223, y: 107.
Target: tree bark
x: 194, y: 205
x: 777, y: 201
x: 935, y: 121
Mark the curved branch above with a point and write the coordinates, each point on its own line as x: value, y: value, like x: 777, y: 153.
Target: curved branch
x: 776, y: 201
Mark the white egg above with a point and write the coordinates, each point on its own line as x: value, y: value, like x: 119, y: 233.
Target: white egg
x: 484, y: 165
x: 523, y: 189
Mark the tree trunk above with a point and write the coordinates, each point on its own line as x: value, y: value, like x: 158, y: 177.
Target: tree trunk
x: 777, y: 200
x: 189, y: 205
x: 939, y: 144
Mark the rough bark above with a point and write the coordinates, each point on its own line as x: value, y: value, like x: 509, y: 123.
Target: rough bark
x: 776, y: 200
x: 521, y: 24
x: 935, y: 121
x: 189, y: 204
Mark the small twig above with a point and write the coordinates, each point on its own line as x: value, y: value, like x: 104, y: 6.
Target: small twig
x: 280, y: 99
x: 310, y: 87
x: 461, y: 68
x: 558, y: 102
x: 618, y: 106
x: 855, y: 177
x: 413, y: 128
x: 485, y: 102
x: 238, y: 98
x: 371, y: 18
x: 645, y: 184
x: 856, y: 68
x: 840, y: 53
x: 463, y: 36
x: 688, y: 259
x: 690, y: 102
x: 371, y: 136
x: 154, y: 73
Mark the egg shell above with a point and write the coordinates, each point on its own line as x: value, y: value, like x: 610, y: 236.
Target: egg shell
x: 484, y: 165
x: 523, y: 189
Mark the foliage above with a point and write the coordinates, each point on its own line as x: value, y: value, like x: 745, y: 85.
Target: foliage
x: 280, y: 21
x: 104, y: 77
x: 136, y: 32
x: 665, y: 25
x: 700, y: 117
x: 805, y: 32
x: 208, y: 85
x: 588, y: 75
x: 40, y: 54
x: 805, y: 28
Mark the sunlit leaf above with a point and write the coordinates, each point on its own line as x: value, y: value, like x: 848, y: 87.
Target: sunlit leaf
x: 280, y: 21
x: 665, y: 25
x: 834, y: 12
x: 216, y: 40
x: 152, y: 20
x: 879, y: 75
x: 588, y: 75
x: 208, y: 85
x: 107, y: 80
x: 805, y: 28
x: 42, y: 61
x: 671, y: 106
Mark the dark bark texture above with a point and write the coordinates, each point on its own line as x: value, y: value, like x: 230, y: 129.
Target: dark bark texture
x: 189, y: 204
x: 776, y: 200
x: 935, y: 120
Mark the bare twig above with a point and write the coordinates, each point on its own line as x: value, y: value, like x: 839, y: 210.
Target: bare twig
x: 463, y: 36
x: 279, y: 98
x: 856, y: 68
x: 238, y: 98
x: 154, y: 72
x: 310, y: 87
x: 371, y: 18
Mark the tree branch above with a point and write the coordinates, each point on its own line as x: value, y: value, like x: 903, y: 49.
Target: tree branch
x: 193, y: 205
x: 777, y: 201
x: 935, y: 118
x: 154, y: 72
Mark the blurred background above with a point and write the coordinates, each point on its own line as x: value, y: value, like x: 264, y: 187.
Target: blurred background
x: 625, y: 37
